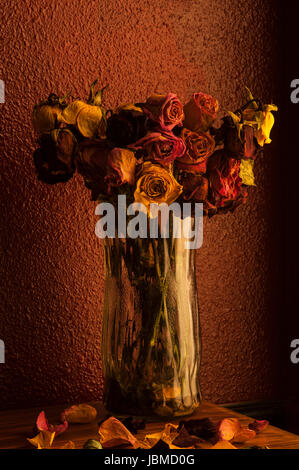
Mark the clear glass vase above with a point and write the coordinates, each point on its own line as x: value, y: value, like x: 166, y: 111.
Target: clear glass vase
x: 151, y: 346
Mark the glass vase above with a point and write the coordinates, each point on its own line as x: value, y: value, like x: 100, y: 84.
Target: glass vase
x: 151, y: 346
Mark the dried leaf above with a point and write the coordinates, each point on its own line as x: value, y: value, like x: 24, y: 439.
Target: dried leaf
x: 43, y: 440
x: 114, y: 434
x: 82, y: 413
x: 43, y: 425
x: 258, y: 425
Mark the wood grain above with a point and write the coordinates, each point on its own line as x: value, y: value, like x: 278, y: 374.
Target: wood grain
x: 17, y: 425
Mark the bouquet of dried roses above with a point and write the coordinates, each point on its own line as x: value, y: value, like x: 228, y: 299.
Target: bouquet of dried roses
x: 158, y: 151
x: 154, y: 152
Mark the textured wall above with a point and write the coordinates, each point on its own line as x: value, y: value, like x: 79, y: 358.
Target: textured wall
x: 52, y: 264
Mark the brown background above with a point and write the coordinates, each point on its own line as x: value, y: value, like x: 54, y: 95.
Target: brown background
x: 52, y: 263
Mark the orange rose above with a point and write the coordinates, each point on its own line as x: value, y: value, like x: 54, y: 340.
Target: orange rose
x: 200, y: 112
x: 199, y: 147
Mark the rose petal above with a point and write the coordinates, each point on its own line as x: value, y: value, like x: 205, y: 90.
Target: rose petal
x: 43, y: 425
x: 184, y: 439
x: 258, y: 425
x: 223, y: 445
x: 82, y: 413
x: 42, y: 440
x: 244, y: 435
x: 114, y: 434
x: 229, y: 428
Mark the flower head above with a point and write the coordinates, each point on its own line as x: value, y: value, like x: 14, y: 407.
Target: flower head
x: 156, y: 185
x: 200, y: 112
x: 199, y: 147
x: 160, y: 147
x: 164, y: 109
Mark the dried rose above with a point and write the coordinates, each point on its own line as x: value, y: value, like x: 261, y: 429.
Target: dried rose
x: 160, y: 147
x: 88, y: 118
x: 126, y: 125
x: 164, y: 109
x: 54, y: 160
x: 82, y: 413
x: 225, y: 182
x: 43, y: 425
x: 156, y: 185
x: 240, y: 143
x: 200, y: 112
x: 121, y: 165
x: 47, y: 114
x: 91, y: 162
x: 195, y: 187
x: 199, y: 147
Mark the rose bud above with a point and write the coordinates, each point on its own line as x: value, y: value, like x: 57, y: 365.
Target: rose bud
x: 240, y: 141
x: 225, y: 182
x: 160, y: 147
x: 195, y: 187
x: 54, y: 160
x: 126, y: 125
x: 200, y: 112
x: 199, y: 147
x: 46, y: 116
x: 91, y: 162
x: 165, y: 110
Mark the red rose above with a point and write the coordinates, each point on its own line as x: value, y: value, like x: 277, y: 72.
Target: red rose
x: 225, y: 182
x: 160, y: 147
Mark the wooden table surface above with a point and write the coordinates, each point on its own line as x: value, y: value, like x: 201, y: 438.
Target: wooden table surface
x: 17, y: 425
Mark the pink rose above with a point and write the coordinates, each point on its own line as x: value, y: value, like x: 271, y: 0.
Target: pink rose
x: 166, y: 110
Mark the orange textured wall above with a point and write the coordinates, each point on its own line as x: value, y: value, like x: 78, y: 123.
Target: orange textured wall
x: 52, y: 263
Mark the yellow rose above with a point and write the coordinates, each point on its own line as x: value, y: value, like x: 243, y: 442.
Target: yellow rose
x: 156, y: 186
x: 260, y: 118
x: 88, y: 118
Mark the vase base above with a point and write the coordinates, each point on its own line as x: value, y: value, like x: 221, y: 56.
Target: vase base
x: 145, y: 404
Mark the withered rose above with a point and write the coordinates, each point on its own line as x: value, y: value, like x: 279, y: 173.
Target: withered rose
x: 240, y: 142
x: 199, y: 147
x: 164, y: 109
x: 120, y: 169
x: 91, y: 162
x: 54, y: 160
x: 200, y: 112
x: 195, y: 187
x: 126, y: 126
x: 225, y: 182
x: 160, y: 147
x: 156, y: 185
